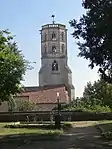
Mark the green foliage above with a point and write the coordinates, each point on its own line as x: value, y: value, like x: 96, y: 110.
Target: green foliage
x: 67, y: 125
x: 24, y: 105
x: 106, y: 129
x: 11, y: 105
x: 98, y: 109
x: 107, y: 135
x: 94, y: 35
x: 97, y: 97
x: 27, y: 132
x: 12, y: 66
x: 99, y: 92
x: 86, y: 107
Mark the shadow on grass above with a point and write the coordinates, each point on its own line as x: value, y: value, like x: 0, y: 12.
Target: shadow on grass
x: 106, y: 130
x: 32, y: 126
x: 40, y: 132
x: 65, y: 126
x: 30, y: 136
x: 81, y: 137
x: 106, y: 126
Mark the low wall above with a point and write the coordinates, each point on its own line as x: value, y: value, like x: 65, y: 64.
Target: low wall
x: 45, y: 116
x: 86, y: 116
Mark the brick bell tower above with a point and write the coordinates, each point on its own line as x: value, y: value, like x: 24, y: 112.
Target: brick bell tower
x: 54, y: 59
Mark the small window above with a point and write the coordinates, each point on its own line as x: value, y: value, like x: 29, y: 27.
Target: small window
x: 62, y: 36
x: 54, y: 66
x: 53, y: 35
x: 54, y: 49
x: 62, y: 48
x: 45, y: 49
x: 45, y: 36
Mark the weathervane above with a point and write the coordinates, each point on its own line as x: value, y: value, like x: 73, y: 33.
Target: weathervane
x: 53, y: 16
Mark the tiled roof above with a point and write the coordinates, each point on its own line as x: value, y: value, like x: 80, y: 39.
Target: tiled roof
x: 38, y: 88
x: 46, y: 94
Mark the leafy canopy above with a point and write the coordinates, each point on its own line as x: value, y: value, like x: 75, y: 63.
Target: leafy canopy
x: 21, y: 105
x: 12, y: 66
x: 97, y: 97
x: 99, y: 92
x: 95, y: 30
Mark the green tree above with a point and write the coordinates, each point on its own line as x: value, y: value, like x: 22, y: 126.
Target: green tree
x: 12, y: 66
x: 99, y: 92
x: 11, y: 104
x: 95, y: 30
x: 24, y: 105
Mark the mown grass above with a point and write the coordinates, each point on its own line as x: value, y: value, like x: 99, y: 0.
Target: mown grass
x: 106, y: 128
x: 17, y: 131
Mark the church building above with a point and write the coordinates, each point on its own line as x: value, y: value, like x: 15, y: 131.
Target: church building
x: 55, y: 76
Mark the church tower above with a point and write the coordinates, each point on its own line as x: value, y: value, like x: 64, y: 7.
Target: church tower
x: 54, y: 65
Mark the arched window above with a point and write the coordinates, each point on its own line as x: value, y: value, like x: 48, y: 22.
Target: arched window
x: 62, y: 36
x: 55, y: 66
x: 45, y: 36
x: 54, y: 48
x: 53, y: 35
x: 62, y: 48
x: 45, y: 49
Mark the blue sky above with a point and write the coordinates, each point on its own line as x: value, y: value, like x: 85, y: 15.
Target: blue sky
x: 24, y: 19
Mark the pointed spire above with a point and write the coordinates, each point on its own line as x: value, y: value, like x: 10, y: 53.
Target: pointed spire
x: 53, y: 16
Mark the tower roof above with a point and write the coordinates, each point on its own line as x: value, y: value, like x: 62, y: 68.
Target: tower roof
x: 53, y: 24
x: 56, y: 25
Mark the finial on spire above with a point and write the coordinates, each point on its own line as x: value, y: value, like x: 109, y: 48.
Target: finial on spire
x: 53, y: 16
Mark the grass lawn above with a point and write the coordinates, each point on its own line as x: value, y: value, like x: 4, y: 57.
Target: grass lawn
x: 106, y: 127
x: 17, y: 131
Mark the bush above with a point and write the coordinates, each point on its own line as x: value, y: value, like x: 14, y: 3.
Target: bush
x: 99, y: 108
x: 87, y: 106
x: 24, y: 105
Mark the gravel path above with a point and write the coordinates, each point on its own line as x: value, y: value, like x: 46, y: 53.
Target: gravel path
x: 81, y: 136
x: 86, y: 136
